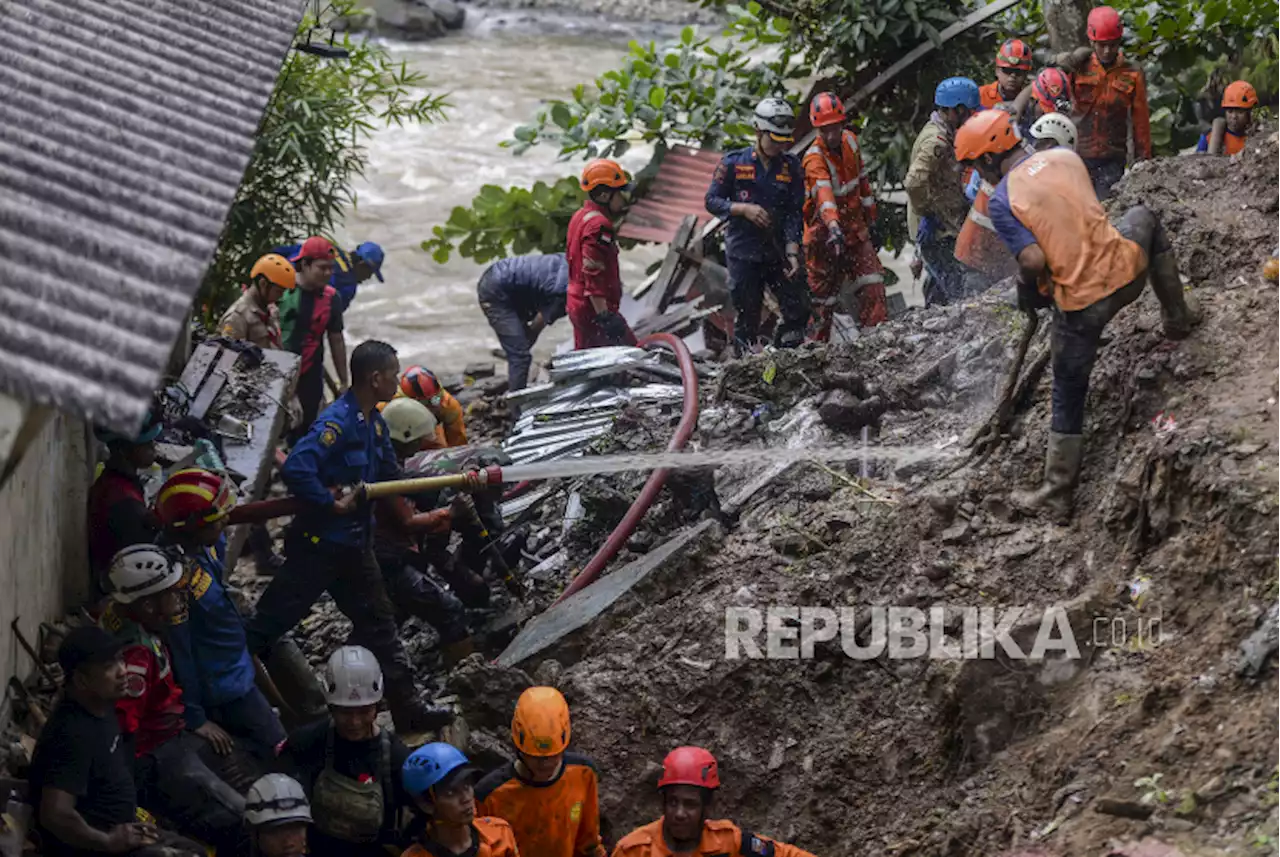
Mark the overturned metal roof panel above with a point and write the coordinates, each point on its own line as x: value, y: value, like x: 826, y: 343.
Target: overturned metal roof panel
x: 679, y: 189
x: 125, y: 127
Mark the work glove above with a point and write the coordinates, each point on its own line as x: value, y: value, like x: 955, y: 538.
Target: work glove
x: 835, y: 238
x: 1029, y: 297
x: 971, y: 188
x: 613, y: 325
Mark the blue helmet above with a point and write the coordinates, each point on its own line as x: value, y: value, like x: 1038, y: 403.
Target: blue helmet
x: 955, y: 91
x: 429, y: 765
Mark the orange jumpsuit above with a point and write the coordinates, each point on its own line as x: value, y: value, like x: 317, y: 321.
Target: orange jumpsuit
x: 556, y: 819
x: 1106, y: 99
x: 978, y: 245
x: 490, y: 837
x: 990, y: 94
x: 719, y: 837
x: 837, y: 191
x: 451, y: 426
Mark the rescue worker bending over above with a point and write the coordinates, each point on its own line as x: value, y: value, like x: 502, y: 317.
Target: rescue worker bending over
x: 439, y: 780
x: 210, y: 653
x: 414, y: 588
x: 422, y: 385
x: 347, y: 764
x: 1053, y: 130
x: 278, y: 815
x: 689, y: 780
x: 81, y: 776
x: 549, y: 796
x: 1013, y: 65
x: 759, y: 190
x: 1110, y: 96
x: 1051, y: 92
x: 118, y: 511
x: 839, y: 209
x: 1046, y: 212
x: 595, y: 284
x: 936, y: 204
x: 1238, y: 101
x: 328, y: 546
x: 520, y: 297
x: 173, y: 780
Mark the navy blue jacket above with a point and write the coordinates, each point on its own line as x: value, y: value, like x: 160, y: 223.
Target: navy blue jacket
x: 342, y: 448
x: 529, y: 285
x: 210, y: 654
x: 742, y: 177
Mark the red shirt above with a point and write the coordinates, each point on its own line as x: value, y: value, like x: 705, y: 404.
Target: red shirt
x: 592, y: 253
x: 118, y: 517
x: 151, y: 709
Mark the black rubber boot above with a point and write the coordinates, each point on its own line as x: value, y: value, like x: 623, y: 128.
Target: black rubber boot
x: 1180, y: 311
x: 1061, y: 471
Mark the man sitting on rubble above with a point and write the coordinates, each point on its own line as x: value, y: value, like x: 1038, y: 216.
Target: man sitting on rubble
x: 173, y: 780
x: 118, y: 512
x: 81, y: 780
x: 688, y: 784
x: 348, y: 764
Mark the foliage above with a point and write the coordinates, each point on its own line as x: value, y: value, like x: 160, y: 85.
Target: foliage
x: 687, y: 91
x: 310, y: 149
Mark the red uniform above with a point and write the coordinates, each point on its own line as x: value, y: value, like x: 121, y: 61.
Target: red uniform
x: 151, y: 709
x: 118, y: 517
x: 592, y: 253
x: 1107, y: 99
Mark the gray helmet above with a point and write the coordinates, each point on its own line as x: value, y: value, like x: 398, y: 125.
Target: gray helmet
x: 276, y: 799
x: 777, y: 117
x: 1055, y: 126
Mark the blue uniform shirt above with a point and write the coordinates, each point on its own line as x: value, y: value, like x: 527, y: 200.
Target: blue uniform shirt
x: 779, y: 189
x: 343, y: 447
x: 210, y: 653
x: 530, y: 285
x: 1015, y: 235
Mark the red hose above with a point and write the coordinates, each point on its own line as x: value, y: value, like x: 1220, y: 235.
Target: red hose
x: 688, y: 422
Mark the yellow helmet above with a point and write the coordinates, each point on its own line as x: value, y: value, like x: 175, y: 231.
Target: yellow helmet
x: 541, y: 724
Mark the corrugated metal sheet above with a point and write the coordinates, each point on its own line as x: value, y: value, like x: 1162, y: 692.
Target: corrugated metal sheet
x: 678, y: 190
x: 125, y: 127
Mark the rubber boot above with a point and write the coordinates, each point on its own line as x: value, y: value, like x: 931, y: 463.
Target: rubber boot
x: 451, y: 653
x: 1180, y: 312
x: 1061, y: 470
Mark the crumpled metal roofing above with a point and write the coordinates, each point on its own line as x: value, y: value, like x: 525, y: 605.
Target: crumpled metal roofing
x: 125, y: 127
x: 679, y: 189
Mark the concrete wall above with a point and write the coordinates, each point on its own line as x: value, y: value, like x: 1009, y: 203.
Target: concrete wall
x: 43, y: 551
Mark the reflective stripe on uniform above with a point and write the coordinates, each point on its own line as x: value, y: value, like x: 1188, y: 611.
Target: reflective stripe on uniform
x: 868, y: 201
x: 829, y: 205
x: 820, y: 183
x: 591, y: 214
x: 981, y: 219
x: 868, y: 279
x: 592, y: 265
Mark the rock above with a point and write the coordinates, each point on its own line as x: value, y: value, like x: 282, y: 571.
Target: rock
x: 790, y: 544
x: 1124, y: 808
x: 939, y: 569
x: 453, y: 383
x: 450, y: 14
x: 998, y: 508
x: 1146, y: 848
x: 1021, y: 546
x: 641, y: 541
x: 841, y: 409
x: 406, y: 19
x: 487, y: 692
x: 957, y: 533
x: 939, y: 324
x: 493, y: 386
x: 1257, y: 648
x: 548, y: 673
x: 479, y: 370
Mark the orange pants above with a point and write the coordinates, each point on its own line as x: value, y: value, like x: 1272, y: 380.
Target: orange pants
x: 858, y: 265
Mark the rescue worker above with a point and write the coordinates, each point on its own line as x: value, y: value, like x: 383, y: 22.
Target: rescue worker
x: 310, y: 316
x: 1111, y: 97
x: 254, y: 317
x: 210, y: 652
x: 278, y: 815
x: 415, y: 589
x: 422, y: 385
x: 173, y: 780
x: 936, y: 203
x: 1051, y: 93
x: 347, y: 764
x: 1013, y: 66
x: 520, y: 297
x: 688, y: 785
x: 81, y: 776
x: 1045, y: 211
x: 327, y: 547
x: 1052, y: 130
x: 351, y: 268
x: 439, y: 780
x: 839, y: 209
x: 1238, y: 101
x: 118, y: 514
x: 759, y: 191
x: 594, y: 293
x: 549, y: 796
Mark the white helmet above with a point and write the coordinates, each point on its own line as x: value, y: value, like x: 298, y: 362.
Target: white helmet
x: 408, y: 420
x: 777, y: 117
x: 142, y: 570
x: 1055, y: 126
x: 352, y: 678
x: 276, y: 799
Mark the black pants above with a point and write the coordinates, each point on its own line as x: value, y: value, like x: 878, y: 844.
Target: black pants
x: 170, y: 844
x: 1105, y: 173
x: 251, y: 722
x: 748, y: 278
x: 1076, y: 334
x: 310, y: 396
x: 351, y: 575
x: 416, y: 590
x: 512, y: 333
x: 176, y: 784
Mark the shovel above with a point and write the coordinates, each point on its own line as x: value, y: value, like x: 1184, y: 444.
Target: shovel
x: 988, y: 438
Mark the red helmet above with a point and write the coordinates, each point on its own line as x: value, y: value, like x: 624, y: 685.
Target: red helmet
x: 1052, y: 89
x: 420, y: 383
x: 825, y: 109
x: 690, y: 766
x: 193, y: 497
x: 1104, y: 25
x: 1014, y: 54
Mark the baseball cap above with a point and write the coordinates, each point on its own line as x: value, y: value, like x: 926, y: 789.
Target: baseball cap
x: 314, y: 247
x: 87, y: 645
x: 372, y: 253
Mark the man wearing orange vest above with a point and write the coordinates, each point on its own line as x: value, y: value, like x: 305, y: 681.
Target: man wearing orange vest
x: 1013, y: 64
x: 839, y: 209
x: 1045, y: 211
x: 689, y: 780
x: 595, y: 286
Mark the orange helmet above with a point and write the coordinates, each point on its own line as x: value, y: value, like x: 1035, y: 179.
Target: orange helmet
x: 991, y: 132
x: 1014, y: 54
x: 690, y: 766
x: 193, y: 497
x: 277, y: 269
x: 825, y: 109
x: 604, y: 173
x: 421, y: 383
x: 1240, y: 94
x: 1052, y: 90
x: 541, y: 723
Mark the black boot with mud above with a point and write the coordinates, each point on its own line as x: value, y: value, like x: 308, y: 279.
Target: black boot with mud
x: 1061, y: 471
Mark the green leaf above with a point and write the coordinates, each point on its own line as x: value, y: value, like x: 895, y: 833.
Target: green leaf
x: 686, y: 36
x: 782, y: 25
x: 560, y: 115
x: 657, y: 97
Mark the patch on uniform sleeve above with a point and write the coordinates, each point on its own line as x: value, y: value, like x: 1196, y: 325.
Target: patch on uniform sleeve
x: 377, y: 429
x: 744, y: 172
x: 784, y: 174
x: 754, y: 845
x: 575, y: 811
x: 605, y: 237
x: 135, y: 681
x: 328, y: 437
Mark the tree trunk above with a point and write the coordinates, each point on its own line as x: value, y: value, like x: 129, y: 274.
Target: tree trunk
x: 1065, y: 20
